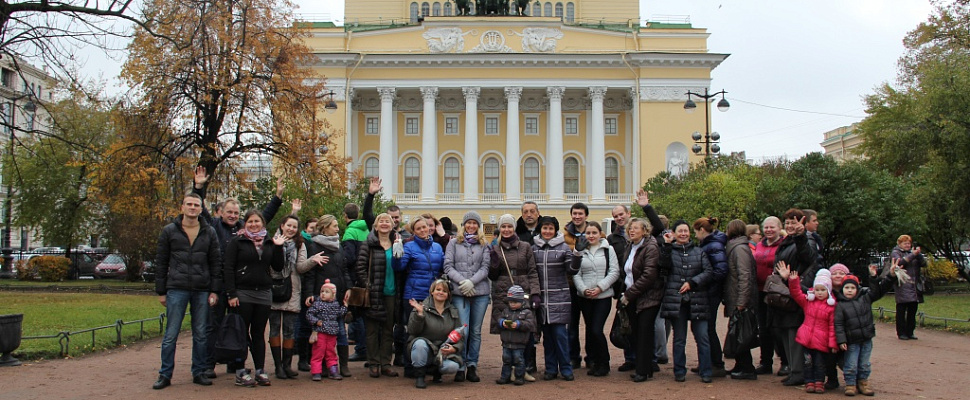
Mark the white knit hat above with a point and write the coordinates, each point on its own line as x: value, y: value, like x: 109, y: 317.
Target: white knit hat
x: 506, y: 219
x: 824, y: 278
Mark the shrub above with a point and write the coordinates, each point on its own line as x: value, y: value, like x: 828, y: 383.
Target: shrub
x: 50, y: 268
x: 941, y: 269
x: 24, y: 271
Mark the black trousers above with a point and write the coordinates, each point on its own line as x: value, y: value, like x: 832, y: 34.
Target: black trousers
x: 642, y: 323
x: 906, y: 318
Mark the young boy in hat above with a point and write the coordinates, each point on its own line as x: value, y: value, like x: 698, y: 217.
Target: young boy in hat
x: 854, y: 330
x: 516, y: 324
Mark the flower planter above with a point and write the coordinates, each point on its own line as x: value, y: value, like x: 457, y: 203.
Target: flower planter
x: 10, y: 333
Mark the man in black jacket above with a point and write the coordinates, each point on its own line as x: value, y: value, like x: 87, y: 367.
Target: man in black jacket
x: 527, y: 227
x: 188, y: 272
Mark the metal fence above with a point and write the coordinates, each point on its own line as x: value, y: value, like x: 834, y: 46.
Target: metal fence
x: 921, y: 317
x: 64, y: 337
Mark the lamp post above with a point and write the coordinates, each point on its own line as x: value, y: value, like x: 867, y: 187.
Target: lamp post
x: 710, y: 140
x: 6, y: 270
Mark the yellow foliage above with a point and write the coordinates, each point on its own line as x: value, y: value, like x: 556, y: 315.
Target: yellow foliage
x: 941, y: 269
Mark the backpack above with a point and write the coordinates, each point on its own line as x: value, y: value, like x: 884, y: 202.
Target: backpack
x: 232, y: 340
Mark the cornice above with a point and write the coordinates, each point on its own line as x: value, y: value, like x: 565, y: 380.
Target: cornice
x: 520, y: 60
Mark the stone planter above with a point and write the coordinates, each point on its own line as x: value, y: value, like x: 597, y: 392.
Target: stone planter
x: 10, y: 333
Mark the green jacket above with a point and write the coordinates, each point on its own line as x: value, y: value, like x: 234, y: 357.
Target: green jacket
x: 356, y: 230
x: 434, y: 328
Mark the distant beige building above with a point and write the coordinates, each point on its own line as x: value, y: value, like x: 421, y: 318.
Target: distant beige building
x: 841, y: 143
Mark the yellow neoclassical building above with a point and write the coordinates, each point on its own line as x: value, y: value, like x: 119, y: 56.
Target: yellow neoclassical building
x: 574, y: 101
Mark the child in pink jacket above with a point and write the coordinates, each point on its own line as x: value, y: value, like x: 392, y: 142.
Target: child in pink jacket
x: 817, y: 333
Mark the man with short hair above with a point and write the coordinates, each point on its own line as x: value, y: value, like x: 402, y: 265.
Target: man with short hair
x: 527, y: 227
x: 572, y: 232
x: 395, y: 212
x: 354, y: 236
x: 811, y: 228
x: 188, y: 273
x: 217, y: 213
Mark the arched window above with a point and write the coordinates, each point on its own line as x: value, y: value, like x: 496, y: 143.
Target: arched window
x: 491, y: 176
x: 414, y: 13
x: 412, y: 175
x: 612, y: 175
x: 537, y: 9
x: 447, y: 8
x: 451, y: 175
x: 371, y: 167
x: 547, y: 10
x: 436, y: 9
x: 531, y: 183
x: 559, y: 10
x: 571, y: 175
x: 425, y: 9
x: 570, y: 12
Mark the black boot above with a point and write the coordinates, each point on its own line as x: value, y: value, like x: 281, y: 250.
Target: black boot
x: 277, y: 362
x: 342, y: 355
x: 471, y: 374
x: 419, y: 378
x: 288, y: 363
x: 530, y: 360
x: 303, y: 354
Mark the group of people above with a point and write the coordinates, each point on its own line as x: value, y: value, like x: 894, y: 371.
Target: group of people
x: 421, y: 294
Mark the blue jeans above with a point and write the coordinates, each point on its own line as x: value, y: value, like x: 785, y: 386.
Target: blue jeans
x: 814, y: 370
x: 472, y: 312
x: 513, y: 358
x: 359, y: 333
x: 857, y: 364
x: 661, y: 329
x: 555, y: 347
x: 419, y: 358
x: 698, y: 328
x: 175, y: 304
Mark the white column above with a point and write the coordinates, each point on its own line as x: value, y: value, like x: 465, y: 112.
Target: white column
x: 387, y: 158
x: 513, y: 174
x: 554, y: 160
x: 429, y: 146
x: 596, y: 158
x: 471, y: 142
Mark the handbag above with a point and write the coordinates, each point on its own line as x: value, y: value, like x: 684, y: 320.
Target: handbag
x: 621, y: 330
x: 232, y: 339
x: 742, y: 333
x: 282, y: 289
x: 778, y: 296
x: 360, y: 297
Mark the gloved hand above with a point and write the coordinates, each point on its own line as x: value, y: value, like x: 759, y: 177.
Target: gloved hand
x: 467, y: 288
x: 397, y: 249
x: 536, y: 302
x: 581, y: 243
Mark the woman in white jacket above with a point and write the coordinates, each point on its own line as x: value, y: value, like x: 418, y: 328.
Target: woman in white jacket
x: 598, y: 270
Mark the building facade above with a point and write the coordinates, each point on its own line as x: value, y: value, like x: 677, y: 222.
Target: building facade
x: 575, y: 101
x: 842, y: 143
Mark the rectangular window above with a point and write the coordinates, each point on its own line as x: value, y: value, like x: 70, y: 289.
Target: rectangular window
x: 572, y: 126
x: 451, y: 125
x: 411, y: 126
x: 610, y: 126
x: 6, y: 78
x: 372, y: 126
x: 531, y: 125
x: 491, y: 125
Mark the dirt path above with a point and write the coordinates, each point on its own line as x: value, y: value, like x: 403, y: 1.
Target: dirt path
x: 930, y: 368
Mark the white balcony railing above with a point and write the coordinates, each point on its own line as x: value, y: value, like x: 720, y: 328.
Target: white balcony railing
x: 575, y: 197
x: 536, y: 197
x: 500, y: 198
x: 450, y: 197
x: 405, y: 198
x: 491, y: 197
x: 619, y: 198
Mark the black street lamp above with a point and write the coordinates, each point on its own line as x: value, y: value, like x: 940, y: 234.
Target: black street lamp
x: 6, y: 269
x: 710, y: 140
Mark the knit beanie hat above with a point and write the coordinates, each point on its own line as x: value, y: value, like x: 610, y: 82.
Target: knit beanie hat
x: 506, y: 219
x: 824, y: 278
x: 471, y: 215
x: 851, y: 279
x: 516, y: 293
x: 329, y: 286
x: 839, y: 267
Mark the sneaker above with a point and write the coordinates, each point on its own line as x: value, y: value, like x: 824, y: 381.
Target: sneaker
x: 810, y: 387
x: 706, y: 379
x: 262, y: 379
x: 245, y: 380
x: 680, y: 378
x: 528, y: 377
x: 316, y: 377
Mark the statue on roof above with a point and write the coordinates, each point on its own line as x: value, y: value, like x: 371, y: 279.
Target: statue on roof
x: 462, y: 7
x: 521, y: 6
x: 493, y: 7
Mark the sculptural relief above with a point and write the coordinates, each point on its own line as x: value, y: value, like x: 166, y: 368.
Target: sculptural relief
x: 445, y: 40
x: 539, y: 40
x: 492, y: 42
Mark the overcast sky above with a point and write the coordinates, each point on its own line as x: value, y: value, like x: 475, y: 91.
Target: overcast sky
x: 818, y: 57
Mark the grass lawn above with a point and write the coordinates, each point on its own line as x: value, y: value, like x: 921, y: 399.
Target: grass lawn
x: 80, y: 283
x: 50, y: 313
x: 939, y: 305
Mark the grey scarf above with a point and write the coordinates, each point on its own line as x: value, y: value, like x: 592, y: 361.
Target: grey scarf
x: 331, y: 243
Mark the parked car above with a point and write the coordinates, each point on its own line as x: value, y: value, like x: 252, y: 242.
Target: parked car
x: 113, y: 266
x: 148, y: 271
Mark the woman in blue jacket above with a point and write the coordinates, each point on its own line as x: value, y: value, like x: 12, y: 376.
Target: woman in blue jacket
x: 713, y: 242
x: 422, y: 263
